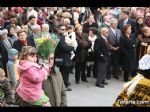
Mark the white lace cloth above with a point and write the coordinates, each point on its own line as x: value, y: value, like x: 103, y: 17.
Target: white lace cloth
x: 132, y: 84
x: 144, y: 63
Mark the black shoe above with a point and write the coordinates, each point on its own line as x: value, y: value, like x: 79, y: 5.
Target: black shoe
x: 68, y: 89
x: 69, y: 84
x: 105, y: 83
x: 108, y: 78
x: 126, y: 80
x: 116, y: 77
x: 85, y: 80
x: 100, y: 85
x: 94, y: 77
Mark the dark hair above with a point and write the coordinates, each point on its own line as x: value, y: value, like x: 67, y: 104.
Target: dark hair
x: 69, y: 27
x: 60, y: 25
x: 8, y: 28
x: 94, y: 30
x: 90, y: 15
x: 139, y: 18
x: 126, y: 27
x: 126, y: 12
x: 26, y: 51
x: 51, y: 17
x: 31, y: 17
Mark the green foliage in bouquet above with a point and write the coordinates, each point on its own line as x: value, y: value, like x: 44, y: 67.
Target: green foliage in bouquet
x: 46, y: 46
x: 1, y: 94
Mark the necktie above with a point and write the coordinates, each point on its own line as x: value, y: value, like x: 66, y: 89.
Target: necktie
x: 107, y: 44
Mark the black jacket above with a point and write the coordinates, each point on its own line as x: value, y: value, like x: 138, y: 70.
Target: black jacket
x: 100, y: 49
x: 82, y: 49
x: 4, y: 54
x: 128, y: 53
x: 131, y: 22
x: 18, y: 45
x: 63, y: 51
x: 86, y: 27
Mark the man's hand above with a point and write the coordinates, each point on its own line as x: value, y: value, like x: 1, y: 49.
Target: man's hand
x: 144, y: 44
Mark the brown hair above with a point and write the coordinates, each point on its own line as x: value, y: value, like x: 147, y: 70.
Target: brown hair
x: 139, y: 18
x: 126, y: 27
x: 13, y: 20
x: 75, y: 9
x: 20, y: 31
x: 145, y: 29
x: 26, y: 51
x: 77, y: 26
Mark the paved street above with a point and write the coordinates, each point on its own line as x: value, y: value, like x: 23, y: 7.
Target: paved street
x: 87, y: 94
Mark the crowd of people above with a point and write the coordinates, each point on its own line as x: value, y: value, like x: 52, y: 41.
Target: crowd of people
x: 96, y: 42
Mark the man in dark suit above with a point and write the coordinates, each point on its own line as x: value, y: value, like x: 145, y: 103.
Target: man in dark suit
x: 126, y: 20
x: 113, y: 39
x: 63, y: 53
x: 101, y: 49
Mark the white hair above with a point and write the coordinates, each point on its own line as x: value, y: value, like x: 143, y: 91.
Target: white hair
x: 103, y: 29
x: 113, y: 20
x: 45, y: 25
x: 106, y: 17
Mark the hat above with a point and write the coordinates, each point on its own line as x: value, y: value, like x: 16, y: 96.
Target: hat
x: 144, y: 63
x: 12, y: 52
x: 3, y: 31
x: 148, y: 14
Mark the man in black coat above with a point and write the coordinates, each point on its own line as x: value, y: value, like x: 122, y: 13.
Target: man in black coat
x: 126, y: 20
x: 63, y: 55
x: 101, y: 49
x: 90, y: 23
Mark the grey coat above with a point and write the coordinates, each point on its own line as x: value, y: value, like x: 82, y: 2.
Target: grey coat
x: 112, y: 39
x: 55, y: 89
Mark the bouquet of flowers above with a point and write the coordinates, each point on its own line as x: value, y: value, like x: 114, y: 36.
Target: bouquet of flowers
x: 46, y: 45
x: 1, y: 94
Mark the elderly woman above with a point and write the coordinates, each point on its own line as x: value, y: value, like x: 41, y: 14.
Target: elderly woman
x: 45, y: 31
x: 136, y: 92
x: 23, y: 40
x: 128, y: 52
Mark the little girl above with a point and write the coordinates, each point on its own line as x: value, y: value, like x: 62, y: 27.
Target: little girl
x: 31, y: 77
